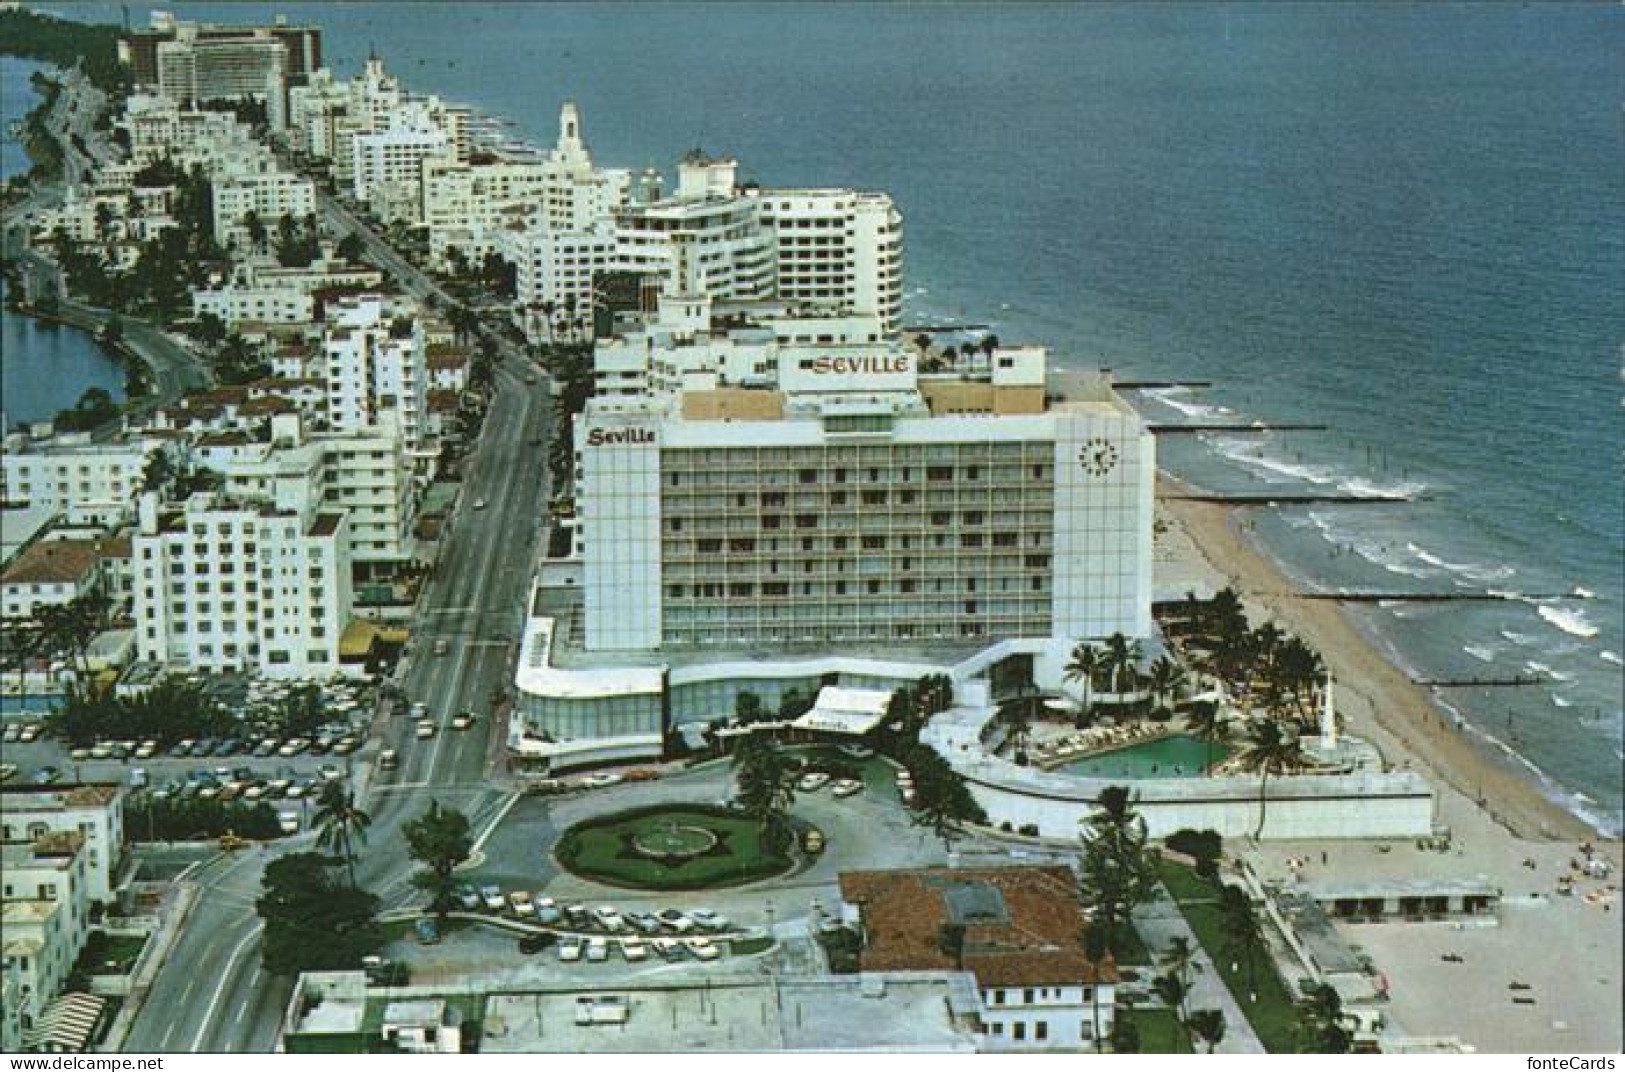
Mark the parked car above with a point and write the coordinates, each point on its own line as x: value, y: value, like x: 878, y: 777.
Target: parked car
x: 492, y: 896
x: 13, y: 733
x: 597, y: 949
x: 676, y: 921
x: 468, y: 897
x: 646, y: 922
x: 577, y: 915
x: 79, y: 755
x: 547, y: 910
x: 182, y: 749
x: 812, y: 783
x: 147, y: 750
x: 670, y: 948
x: 427, y: 931
x: 522, y: 905
x: 846, y: 787
x: 570, y: 949
x: 344, y: 746
x: 29, y: 733
x: 266, y: 748
x: 702, y: 948
x: 288, y: 821
x: 634, y: 950
x: 101, y: 750
x: 707, y: 920
x: 608, y: 918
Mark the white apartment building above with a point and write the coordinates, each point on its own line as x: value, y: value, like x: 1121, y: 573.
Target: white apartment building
x: 838, y: 249
x: 373, y: 361
x: 845, y: 497
x: 469, y: 205
x: 387, y: 160
x: 94, y: 812
x: 222, y: 586
x: 161, y: 128
x: 263, y: 189
x: 193, y: 69
x: 71, y: 473
x: 364, y: 474
x: 554, y: 273
x: 44, y: 916
x: 265, y: 294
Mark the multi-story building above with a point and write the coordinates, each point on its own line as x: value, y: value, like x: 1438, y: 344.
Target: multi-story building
x: 222, y: 585
x: 161, y: 128
x: 44, y: 916
x: 374, y: 366
x: 264, y: 190
x: 194, y: 70
x: 73, y: 475
x: 838, y: 249
x: 840, y: 495
x: 262, y: 294
x: 387, y: 161
x: 48, y: 573
x: 140, y: 49
x: 1018, y: 930
x: 364, y: 474
x: 95, y: 812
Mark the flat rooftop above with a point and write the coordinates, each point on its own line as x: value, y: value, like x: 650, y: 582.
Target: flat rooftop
x: 919, y: 1012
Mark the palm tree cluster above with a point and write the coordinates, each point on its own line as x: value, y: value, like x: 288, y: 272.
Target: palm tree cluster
x: 58, y: 629
x: 168, y: 712
x: 1263, y: 668
x: 1323, y: 1026
x: 942, y: 800
x: 913, y: 705
x: 765, y: 788
x: 1113, y: 665
x: 1118, y: 869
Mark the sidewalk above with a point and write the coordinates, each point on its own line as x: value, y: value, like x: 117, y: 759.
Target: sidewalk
x: 1159, y: 923
x: 162, y: 941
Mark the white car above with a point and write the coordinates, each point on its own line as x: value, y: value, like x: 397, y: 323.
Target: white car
x: 29, y: 734
x: 288, y: 821
x: 702, y: 948
x: 597, y: 949
x: 462, y: 720
x: 707, y: 920
x: 633, y: 949
x: 425, y: 729
x: 600, y: 781
x: 812, y: 783
x: 570, y: 949
x: 608, y: 918
x: 420, y: 710
x: 520, y: 902
x: 846, y: 787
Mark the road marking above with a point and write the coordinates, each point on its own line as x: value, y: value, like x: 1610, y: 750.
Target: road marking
x: 220, y: 990
x: 248, y: 997
x: 502, y: 813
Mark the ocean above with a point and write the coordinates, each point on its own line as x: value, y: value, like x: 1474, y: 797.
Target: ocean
x: 1404, y: 221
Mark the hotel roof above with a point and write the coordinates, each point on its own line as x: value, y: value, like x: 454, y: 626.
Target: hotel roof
x: 1023, y: 926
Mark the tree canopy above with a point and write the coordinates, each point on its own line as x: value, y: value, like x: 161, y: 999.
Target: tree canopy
x: 314, y: 921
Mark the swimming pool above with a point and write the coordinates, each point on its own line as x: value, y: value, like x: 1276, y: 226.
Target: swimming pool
x: 1178, y: 756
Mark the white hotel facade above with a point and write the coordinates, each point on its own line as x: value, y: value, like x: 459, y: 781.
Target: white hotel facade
x: 768, y: 515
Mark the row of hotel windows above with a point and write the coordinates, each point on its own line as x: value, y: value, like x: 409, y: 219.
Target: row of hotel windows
x: 907, y: 586
x: 936, y: 474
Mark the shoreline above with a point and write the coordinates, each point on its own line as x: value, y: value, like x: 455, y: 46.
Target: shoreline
x: 1376, y: 698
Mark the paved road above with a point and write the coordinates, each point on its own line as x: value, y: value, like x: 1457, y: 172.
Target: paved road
x: 211, y: 996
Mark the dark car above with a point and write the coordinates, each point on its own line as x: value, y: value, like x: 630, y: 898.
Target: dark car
x: 535, y: 943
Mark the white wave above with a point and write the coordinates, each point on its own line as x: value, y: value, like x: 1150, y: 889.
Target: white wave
x: 1482, y: 652
x: 1167, y: 396
x: 1356, y: 485
x: 1274, y: 470
x: 1523, y: 639
x: 1560, y: 702
x: 1611, y: 657
x: 1572, y: 622
x: 1515, y: 597
x: 1584, y: 593
x: 1472, y: 570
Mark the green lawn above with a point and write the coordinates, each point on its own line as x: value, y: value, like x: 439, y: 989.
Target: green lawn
x: 1273, y: 1016
x: 601, y: 849
x: 1160, y: 1030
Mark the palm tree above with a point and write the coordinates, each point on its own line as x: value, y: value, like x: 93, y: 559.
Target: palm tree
x: 255, y: 228
x: 1117, y: 870
x: 1323, y: 1026
x: 1202, y: 721
x: 765, y: 791
x: 1166, y: 678
x: 1122, y: 655
x: 1178, y: 961
x: 340, y: 824
x: 1173, y: 991
x: 1268, y: 750
x: 1241, y: 934
x: 1207, y: 1025
x: 1085, y: 664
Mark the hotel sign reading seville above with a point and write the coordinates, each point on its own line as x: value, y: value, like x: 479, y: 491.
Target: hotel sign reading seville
x: 617, y: 437
x: 876, y: 365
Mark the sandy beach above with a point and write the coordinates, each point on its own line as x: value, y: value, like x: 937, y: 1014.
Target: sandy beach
x: 1567, y: 949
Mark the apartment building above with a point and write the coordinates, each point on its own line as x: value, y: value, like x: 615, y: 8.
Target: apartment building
x: 44, y: 916
x: 1018, y: 931
x: 197, y: 68
x: 223, y: 585
x: 94, y: 812
x: 72, y: 474
x: 373, y: 362
x: 262, y: 189
x: 139, y: 49
x: 263, y: 294
x: 365, y: 474
x: 838, y: 249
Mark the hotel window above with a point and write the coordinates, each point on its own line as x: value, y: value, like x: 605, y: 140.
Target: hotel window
x: 1019, y: 1030
x: 1027, y: 996
x: 1041, y: 1030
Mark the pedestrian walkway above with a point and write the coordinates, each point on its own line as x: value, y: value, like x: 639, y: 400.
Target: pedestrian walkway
x: 1159, y: 923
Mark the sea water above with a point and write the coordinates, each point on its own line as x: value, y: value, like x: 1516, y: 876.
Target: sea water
x: 1407, y: 222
